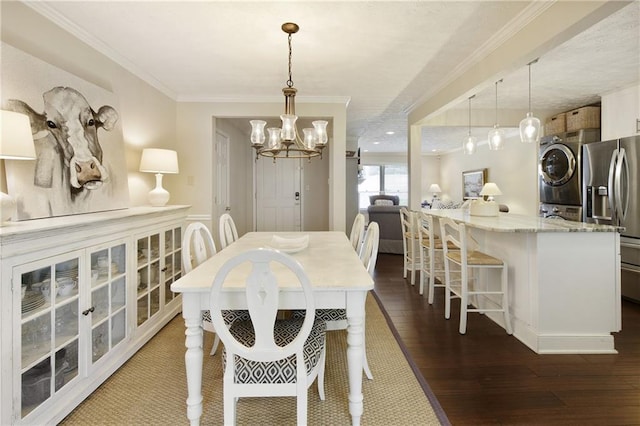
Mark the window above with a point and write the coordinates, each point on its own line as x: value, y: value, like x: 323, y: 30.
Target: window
x: 390, y: 179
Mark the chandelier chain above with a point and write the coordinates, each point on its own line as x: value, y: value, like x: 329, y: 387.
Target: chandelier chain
x: 290, y: 81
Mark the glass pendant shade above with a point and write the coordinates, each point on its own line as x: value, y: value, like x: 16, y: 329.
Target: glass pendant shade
x: 496, y: 138
x: 309, y: 138
x: 469, y: 145
x: 288, y: 127
x: 274, y: 138
x: 257, y: 132
x: 530, y: 125
x: 320, y: 127
x: 530, y: 129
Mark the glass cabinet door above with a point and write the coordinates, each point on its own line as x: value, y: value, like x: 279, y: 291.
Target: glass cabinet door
x: 108, y: 298
x: 148, y: 275
x: 49, y: 328
x: 172, y: 260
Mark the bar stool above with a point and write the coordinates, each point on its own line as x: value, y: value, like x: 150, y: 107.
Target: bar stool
x: 431, y: 256
x: 469, y: 260
x: 409, y: 243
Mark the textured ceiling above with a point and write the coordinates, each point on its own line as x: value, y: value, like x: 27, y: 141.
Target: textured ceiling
x: 380, y: 57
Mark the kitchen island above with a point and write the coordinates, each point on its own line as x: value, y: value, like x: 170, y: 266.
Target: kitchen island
x: 564, y: 279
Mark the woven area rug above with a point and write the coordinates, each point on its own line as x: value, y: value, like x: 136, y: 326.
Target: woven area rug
x: 151, y: 387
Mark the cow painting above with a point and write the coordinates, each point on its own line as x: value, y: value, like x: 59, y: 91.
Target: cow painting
x: 69, y: 164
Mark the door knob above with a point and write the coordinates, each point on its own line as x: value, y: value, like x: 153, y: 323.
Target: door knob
x: 297, y: 195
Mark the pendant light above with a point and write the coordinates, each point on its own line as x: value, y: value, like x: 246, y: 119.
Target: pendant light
x: 469, y: 144
x: 530, y: 125
x: 496, y: 135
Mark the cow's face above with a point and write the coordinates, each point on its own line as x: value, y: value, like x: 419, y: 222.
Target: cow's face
x: 74, y: 125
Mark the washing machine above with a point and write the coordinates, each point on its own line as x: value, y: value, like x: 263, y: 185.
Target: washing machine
x: 559, y: 167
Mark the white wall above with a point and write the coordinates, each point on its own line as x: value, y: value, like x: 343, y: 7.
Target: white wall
x: 513, y: 169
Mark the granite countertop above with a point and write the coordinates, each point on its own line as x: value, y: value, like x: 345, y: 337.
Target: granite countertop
x: 510, y: 222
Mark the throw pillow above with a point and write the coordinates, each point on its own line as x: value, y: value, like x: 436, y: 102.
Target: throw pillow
x: 383, y: 203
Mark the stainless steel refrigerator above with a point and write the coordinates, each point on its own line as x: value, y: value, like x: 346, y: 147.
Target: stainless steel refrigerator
x: 611, y: 188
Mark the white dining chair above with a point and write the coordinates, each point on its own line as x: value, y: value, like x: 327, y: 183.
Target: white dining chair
x: 469, y: 259
x: 198, y: 246
x: 409, y: 244
x: 336, y: 319
x: 268, y: 356
x: 227, y: 230
x: 357, y: 232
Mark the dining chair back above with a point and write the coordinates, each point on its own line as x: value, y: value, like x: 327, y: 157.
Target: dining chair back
x: 369, y: 252
x: 268, y: 356
x: 198, y: 246
x: 409, y: 244
x: 227, y: 230
x: 470, y: 259
x: 432, y: 256
x: 357, y: 232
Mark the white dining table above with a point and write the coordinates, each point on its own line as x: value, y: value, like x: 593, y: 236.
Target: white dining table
x: 339, y: 281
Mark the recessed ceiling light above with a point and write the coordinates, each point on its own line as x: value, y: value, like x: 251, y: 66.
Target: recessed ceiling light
x: 391, y: 133
x: 376, y: 143
x: 366, y: 150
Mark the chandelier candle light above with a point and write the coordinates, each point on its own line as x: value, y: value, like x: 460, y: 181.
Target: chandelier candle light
x: 470, y: 143
x: 530, y: 125
x: 159, y: 161
x: 496, y: 135
x: 286, y: 142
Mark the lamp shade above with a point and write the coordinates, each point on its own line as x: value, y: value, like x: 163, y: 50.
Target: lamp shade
x: 490, y: 189
x: 435, y: 188
x: 156, y: 160
x: 17, y: 141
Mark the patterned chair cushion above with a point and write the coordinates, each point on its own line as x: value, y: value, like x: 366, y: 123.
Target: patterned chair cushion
x: 229, y: 316
x: 284, y: 370
x: 324, y: 314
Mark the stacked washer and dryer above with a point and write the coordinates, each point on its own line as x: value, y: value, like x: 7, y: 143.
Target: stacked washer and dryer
x: 560, y: 173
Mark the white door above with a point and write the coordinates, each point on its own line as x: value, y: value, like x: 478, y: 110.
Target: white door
x: 278, y: 195
x: 222, y: 201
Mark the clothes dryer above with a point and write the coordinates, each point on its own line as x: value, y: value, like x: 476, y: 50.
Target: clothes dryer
x: 560, y: 166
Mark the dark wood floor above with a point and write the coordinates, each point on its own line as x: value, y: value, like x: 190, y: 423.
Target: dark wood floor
x: 488, y: 377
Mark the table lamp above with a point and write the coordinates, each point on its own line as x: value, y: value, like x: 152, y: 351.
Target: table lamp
x: 16, y: 143
x: 159, y: 161
x: 486, y: 208
x: 435, y: 190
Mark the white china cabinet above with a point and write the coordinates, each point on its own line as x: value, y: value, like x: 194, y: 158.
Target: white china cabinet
x: 85, y: 293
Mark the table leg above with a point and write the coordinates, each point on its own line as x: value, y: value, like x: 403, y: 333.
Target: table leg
x: 193, y: 357
x: 355, y: 352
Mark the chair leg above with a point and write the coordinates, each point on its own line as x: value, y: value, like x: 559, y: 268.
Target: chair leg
x: 432, y: 279
x: 365, y: 364
x: 229, y: 408
x: 464, y: 300
x: 447, y: 290
x: 505, y: 298
x: 321, y: 373
x: 301, y: 398
x: 216, y: 342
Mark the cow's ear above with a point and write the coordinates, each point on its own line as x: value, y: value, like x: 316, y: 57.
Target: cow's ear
x: 107, y: 117
x: 38, y: 121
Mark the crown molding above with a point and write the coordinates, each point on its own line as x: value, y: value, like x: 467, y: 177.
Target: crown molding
x: 54, y: 16
x: 527, y: 15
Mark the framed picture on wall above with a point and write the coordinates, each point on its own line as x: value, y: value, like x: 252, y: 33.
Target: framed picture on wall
x: 472, y: 183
